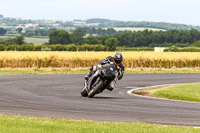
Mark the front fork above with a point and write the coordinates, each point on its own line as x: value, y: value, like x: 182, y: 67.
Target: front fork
x: 86, y: 86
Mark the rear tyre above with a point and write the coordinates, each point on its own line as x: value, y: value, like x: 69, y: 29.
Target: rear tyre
x: 95, y: 89
x: 84, y: 92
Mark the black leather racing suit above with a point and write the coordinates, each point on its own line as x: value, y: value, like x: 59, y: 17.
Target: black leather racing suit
x: 109, y: 59
x: 120, y: 70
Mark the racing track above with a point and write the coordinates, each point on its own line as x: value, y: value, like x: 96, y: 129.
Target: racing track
x: 58, y: 96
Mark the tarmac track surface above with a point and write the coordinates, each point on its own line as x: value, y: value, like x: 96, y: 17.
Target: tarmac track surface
x: 58, y: 96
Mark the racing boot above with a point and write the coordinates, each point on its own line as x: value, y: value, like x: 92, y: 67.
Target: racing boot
x: 92, y: 70
x: 88, y: 75
x: 110, y: 87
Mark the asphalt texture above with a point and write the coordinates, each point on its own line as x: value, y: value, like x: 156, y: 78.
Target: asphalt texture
x: 58, y: 96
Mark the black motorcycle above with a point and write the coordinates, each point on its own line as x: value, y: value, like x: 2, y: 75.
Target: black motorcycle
x: 99, y: 80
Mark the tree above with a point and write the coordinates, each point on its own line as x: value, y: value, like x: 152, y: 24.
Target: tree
x: 50, y: 30
x: 20, y: 40
x: 103, y: 38
x: 111, y: 31
x: 77, y: 36
x: 40, y: 32
x: 111, y: 43
x: 2, y: 31
x: 19, y: 30
x: 92, y: 40
x: 60, y: 37
x: 29, y: 33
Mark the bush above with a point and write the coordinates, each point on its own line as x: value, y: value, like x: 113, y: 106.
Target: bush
x: 37, y: 48
x: 57, y: 47
x: 100, y: 48
x: 173, y: 49
x: 46, y: 49
x: 12, y: 48
x: 189, y: 49
x: 186, y: 49
x: 26, y: 47
x: 71, y: 47
x: 2, y: 47
x: 197, y: 44
x: 85, y: 47
x: 135, y: 49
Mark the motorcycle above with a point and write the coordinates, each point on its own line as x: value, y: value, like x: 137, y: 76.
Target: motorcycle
x: 99, y: 80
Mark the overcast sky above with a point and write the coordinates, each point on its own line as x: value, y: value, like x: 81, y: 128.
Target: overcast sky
x: 174, y: 11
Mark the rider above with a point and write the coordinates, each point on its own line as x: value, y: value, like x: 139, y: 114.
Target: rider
x: 117, y: 59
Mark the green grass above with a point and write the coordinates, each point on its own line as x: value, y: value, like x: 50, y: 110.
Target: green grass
x: 8, y: 72
x: 85, y: 71
x: 186, y: 92
x: 15, y: 124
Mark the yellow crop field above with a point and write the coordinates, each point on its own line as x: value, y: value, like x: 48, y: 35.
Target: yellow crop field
x: 86, y: 59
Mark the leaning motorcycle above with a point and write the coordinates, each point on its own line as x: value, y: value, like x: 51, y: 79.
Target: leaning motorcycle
x: 99, y: 80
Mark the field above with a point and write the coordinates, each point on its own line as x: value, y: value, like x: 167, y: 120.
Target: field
x: 6, y: 37
x: 34, y: 40
x: 135, y: 29
x: 87, y: 59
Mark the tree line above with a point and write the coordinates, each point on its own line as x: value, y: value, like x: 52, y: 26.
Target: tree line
x: 77, y: 37
x: 87, y: 30
x: 146, y: 38
x: 59, y: 40
x: 158, y: 25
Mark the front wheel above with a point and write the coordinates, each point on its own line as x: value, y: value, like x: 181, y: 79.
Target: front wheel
x: 84, y: 92
x: 96, y: 89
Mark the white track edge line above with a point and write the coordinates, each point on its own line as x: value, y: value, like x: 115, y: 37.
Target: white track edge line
x: 130, y: 92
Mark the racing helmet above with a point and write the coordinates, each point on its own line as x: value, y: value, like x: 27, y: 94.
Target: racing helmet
x: 118, y: 58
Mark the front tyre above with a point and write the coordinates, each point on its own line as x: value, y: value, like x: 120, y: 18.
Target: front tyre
x: 96, y: 89
x: 84, y: 92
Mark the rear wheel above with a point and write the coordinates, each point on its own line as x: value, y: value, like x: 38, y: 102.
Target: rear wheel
x: 95, y: 89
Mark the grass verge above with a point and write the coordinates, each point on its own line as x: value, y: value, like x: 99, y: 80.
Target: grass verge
x: 10, y: 72
x: 16, y: 124
x: 186, y: 92
x: 5, y: 71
